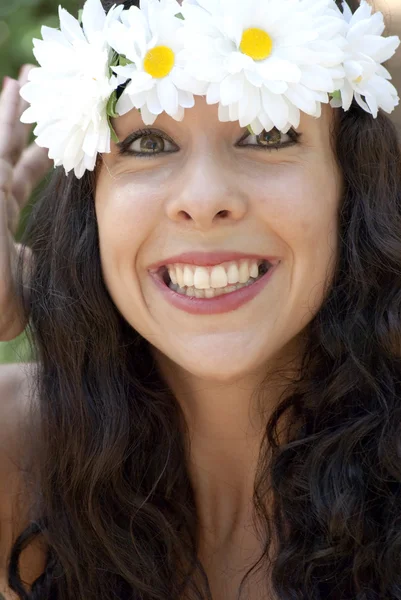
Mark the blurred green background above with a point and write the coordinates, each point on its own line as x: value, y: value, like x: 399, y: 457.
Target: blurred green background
x: 21, y: 21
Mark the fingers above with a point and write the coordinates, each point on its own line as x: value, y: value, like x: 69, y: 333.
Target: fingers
x: 9, y: 114
x: 29, y: 171
x: 13, y: 211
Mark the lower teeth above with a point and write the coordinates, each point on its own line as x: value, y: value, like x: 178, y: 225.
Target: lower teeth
x: 211, y: 292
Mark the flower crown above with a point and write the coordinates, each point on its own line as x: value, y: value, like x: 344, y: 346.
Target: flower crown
x: 261, y: 62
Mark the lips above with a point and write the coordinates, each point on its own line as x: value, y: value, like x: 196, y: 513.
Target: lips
x: 209, y: 259
x: 217, y: 305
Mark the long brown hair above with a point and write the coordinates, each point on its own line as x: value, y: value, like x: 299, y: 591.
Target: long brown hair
x: 112, y: 495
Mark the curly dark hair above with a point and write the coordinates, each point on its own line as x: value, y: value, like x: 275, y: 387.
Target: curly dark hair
x: 113, y: 499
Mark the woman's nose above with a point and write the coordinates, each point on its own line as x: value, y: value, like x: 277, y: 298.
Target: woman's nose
x: 207, y: 194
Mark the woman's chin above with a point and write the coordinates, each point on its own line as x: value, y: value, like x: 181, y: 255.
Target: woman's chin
x: 223, y: 368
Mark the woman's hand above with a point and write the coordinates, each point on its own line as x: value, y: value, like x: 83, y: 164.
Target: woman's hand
x: 21, y: 169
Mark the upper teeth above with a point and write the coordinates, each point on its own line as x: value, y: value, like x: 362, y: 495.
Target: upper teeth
x: 219, y: 276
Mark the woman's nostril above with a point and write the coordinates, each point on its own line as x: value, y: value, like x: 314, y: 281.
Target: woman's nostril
x: 223, y: 213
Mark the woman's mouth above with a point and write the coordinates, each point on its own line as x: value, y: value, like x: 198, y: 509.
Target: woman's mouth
x: 209, y: 282
x: 208, y: 290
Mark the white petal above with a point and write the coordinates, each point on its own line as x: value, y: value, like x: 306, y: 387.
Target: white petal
x: 168, y: 95
x: 383, y: 72
x: 90, y: 162
x: 184, y: 81
x: 347, y: 12
x: 53, y: 35
x: 70, y: 26
x: 179, y: 115
x: 347, y: 95
x: 118, y: 36
x: 91, y: 142
x: 28, y: 116
x: 262, y: 122
x: 363, y: 28
x: 254, y: 77
x: 213, y: 93
x: 317, y: 78
x: 153, y: 101
x: 294, y: 117
x: 233, y: 111
x: 380, y: 49
x: 79, y: 170
x: 249, y: 105
x: 231, y: 89
x: 104, y: 138
x: 276, y: 107
x: 186, y: 99
x: 237, y: 62
x: 147, y: 117
x: 140, y: 82
x: 363, y: 12
x: 224, y: 113
x: 371, y: 101
x: 302, y: 98
x: 281, y: 70
x: 93, y: 18
x: 276, y: 87
x: 124, y: 104
x: 353, y: 69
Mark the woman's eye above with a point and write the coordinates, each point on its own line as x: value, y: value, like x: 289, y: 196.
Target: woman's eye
x: 270, y: 139
x: 147, y: 143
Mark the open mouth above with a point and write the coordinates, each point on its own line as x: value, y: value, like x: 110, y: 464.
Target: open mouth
x: 246, y: 278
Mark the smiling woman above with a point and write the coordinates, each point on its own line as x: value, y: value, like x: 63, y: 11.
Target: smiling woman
x: 214, y: 301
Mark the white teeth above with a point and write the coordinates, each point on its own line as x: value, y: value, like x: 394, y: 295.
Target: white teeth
x: 218, y: 277
x: 188, y: 276
x: 173, y: 275
x: 201, y: 278
x: 180, y: 276
x: 243, y: 272
x: 254, y: 270
x: 210, y: 293
x: 233, y: 274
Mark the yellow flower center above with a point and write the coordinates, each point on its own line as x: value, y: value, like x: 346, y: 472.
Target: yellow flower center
x: 358, y: 79
x: 159, y: 61
x: 256, y: 43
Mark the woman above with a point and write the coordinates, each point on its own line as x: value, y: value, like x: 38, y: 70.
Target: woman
x: 185, y: 443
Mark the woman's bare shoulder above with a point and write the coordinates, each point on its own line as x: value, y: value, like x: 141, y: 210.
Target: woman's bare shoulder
x: 16, y: 385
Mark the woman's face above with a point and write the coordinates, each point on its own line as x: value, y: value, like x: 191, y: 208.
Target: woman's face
x: 207, y: 187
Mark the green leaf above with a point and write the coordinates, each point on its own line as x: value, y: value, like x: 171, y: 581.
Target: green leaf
x: 111, y: 105
x: 80, y: 15
x: 113, y: 63
x: 124, y: 61
x: 336, y: 95
x: 180, y: 16
x: 114, y: 136
x: 114, y: 59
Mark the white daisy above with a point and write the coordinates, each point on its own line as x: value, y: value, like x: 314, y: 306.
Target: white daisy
x: 365, y: 51
x: 69, y: 92
x: 265, y: 61
x: 151, y: 38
